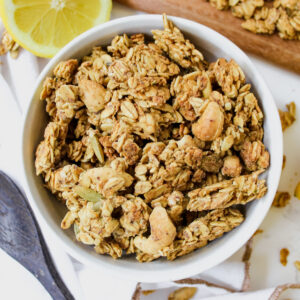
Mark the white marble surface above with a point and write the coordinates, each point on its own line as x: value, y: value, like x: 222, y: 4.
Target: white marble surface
x: 281, y: 226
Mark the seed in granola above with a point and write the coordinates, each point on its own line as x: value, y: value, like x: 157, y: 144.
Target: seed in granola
x: 184, y: 293
x: 284, y: 253
x: 88, y: 194
x: 281, y: 199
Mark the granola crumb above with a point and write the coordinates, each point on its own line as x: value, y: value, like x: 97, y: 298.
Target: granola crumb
x: 9, y: 45
x: 258, y: 231
x: 184, y: 293
x: 297, y: 191
x: 283, y: 162
x: 288, y: 117
x: 297, y: 264
x: 282, y: 199
x: 147, y: 292
x: 284, y: 253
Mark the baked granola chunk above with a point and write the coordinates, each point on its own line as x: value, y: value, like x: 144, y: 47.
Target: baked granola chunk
x: 152, y: 149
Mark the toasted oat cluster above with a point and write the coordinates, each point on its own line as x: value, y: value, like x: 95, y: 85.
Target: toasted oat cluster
x: 9, y: 45
x: 266, y: 17
x: 152, y: 149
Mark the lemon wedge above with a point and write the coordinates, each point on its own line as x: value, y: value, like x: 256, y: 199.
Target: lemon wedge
x: 44, y: 26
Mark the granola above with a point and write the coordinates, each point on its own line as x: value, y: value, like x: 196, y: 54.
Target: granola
x: 281, y: 199
x: 9, y: 45
x: 265, y: 17
x: 152, y: 150
x: 184, y: 293
x: 288, y: 117
x: 284, y: 253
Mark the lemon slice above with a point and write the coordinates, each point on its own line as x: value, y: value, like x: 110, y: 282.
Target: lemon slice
x: 44, y: 26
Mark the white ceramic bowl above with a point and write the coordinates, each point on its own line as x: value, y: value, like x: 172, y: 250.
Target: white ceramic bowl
x: 50, y: 212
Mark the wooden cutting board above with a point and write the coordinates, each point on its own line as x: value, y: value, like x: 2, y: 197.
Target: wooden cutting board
x: 282, y: 52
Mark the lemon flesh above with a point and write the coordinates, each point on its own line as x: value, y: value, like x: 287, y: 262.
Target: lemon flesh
x: 43, y: 27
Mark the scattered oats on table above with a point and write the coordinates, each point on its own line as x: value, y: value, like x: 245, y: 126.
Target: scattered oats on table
x: 284, y: 253
x: 288, y: 117
x: 152, y: 149
x: 266, y: 17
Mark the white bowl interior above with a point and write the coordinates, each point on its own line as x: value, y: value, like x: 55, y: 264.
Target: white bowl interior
x: 213, y: 45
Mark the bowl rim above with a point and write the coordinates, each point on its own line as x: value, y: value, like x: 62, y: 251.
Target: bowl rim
x: 112, y: 267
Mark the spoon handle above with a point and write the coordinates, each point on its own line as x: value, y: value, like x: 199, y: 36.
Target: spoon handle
x: 21, y: 238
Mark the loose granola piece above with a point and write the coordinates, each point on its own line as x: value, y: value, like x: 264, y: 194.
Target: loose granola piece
x: 9, y: 45
x: 181, y: 50
x: 245, y: 9
x: 283, y: 162
x: 184, y: 293
x: 282, y: 199
x: 297, y: 191
x: 284, y: 253
x: 264, y: 21
x: 162, y: 235
x: 280, y: 16
x: 297, y: 265
x: 288, y: 117
x: 239, y: 190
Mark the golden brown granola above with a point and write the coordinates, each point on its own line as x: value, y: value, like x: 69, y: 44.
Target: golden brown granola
x: 281, y: 199
x: 284, y: 253
x: 150, y: 147
x: 184, y: 293
x: 288, y: 117
x: 283, y: 162
x: 297, y: 191
x: 9, y: 45
x: 297, y: 264
x: 265, y: 17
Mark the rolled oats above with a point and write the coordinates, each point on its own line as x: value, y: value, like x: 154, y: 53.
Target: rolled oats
x: 149, y: 146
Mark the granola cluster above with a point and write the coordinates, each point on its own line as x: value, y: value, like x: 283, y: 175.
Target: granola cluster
x: 152, y: 149
x: 9, y: 45
x: 266, y: 17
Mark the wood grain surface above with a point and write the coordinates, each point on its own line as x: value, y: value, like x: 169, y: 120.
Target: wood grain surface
x: 273, y: 48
